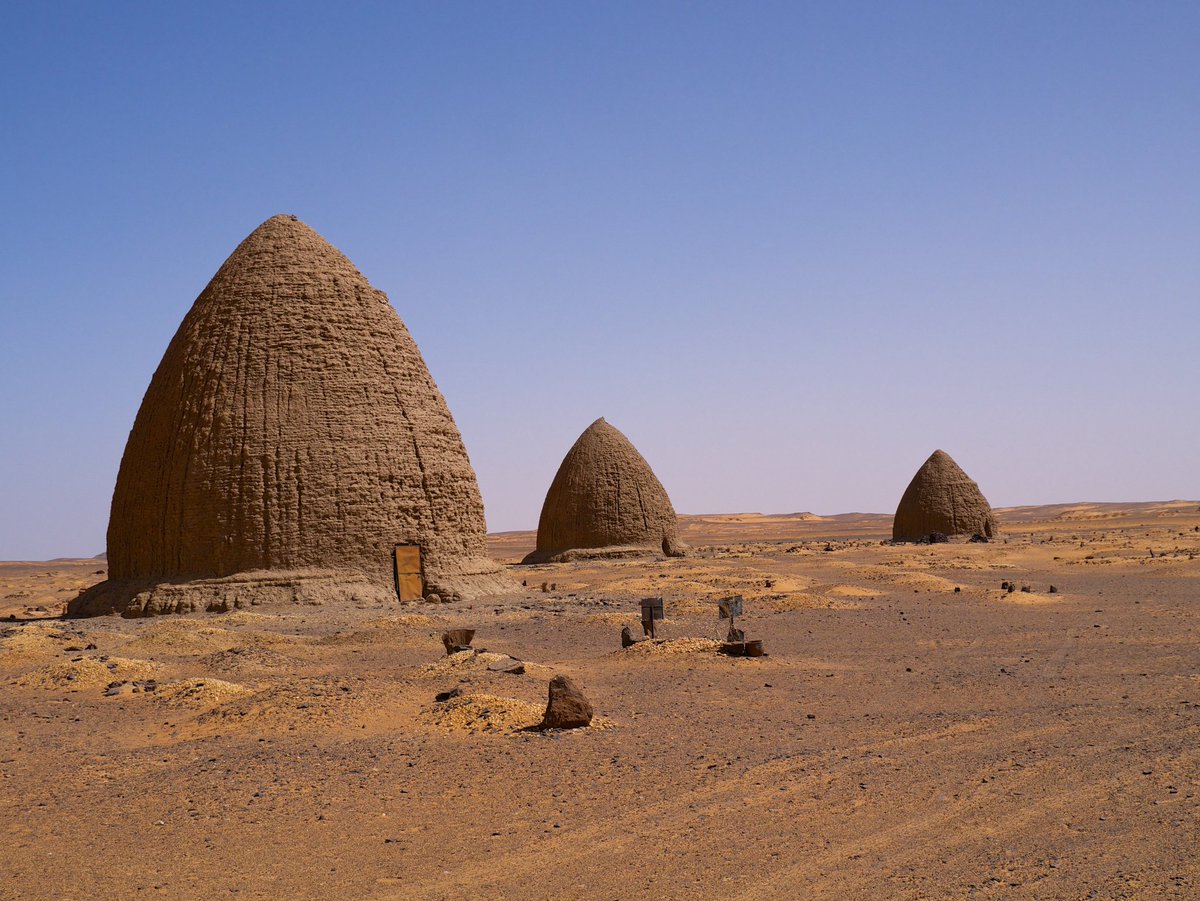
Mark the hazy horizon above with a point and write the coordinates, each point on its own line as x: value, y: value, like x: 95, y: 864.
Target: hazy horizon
x: 789, y: 250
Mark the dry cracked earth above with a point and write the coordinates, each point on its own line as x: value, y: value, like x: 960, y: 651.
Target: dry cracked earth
x: 915, y: 731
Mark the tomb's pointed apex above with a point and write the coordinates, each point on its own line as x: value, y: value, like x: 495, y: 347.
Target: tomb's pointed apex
x: 282, y: 228
x: 286, y: 252
x: 940, y: 462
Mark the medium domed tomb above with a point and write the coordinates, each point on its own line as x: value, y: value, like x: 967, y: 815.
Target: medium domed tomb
x: 292, y: 448
x: 605, y: 501
x: 942, y: 498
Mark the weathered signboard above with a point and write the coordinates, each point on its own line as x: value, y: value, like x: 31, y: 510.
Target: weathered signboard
x: 730, y: 607
x: 410, y: 586
x: 652, y: 609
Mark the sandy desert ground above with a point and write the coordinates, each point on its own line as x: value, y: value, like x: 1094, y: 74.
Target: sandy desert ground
x: 914, y: 732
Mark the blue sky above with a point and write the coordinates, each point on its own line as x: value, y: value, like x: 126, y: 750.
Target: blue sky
x: 789, y: 249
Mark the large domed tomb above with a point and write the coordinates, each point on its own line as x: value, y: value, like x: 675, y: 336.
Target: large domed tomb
x: 289, y: 442
x: 942, y: 498
x: 605, y: 501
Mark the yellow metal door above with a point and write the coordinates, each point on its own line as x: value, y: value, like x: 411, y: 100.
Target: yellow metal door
x: 409, y: 584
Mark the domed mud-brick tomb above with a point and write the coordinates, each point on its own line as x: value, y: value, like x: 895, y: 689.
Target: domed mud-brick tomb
x: 942, y: 498
x: 292, y: 448
x: 605, y: 501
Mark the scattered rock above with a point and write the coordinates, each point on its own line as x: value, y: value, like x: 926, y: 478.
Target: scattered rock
x: 742, y: 648
x: 442, y: 696
x: 627, y: 637
x: 131, y: 687
x: 508, y: 665
x: 456, y: 640
x: 567, y: 707
x: 1053, y: 590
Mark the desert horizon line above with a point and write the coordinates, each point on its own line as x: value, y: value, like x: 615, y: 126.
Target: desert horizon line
x: 533, y: 529
x: 1176, y: 500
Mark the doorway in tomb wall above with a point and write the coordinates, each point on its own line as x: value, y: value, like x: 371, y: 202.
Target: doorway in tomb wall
x: 410, y: 581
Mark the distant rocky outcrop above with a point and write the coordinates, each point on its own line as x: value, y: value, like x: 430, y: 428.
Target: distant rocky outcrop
x: 605, y: 501
x: 942, y: 500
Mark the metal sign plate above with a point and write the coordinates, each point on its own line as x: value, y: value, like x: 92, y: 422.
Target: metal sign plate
x: 730, y: 607
x: 410, y: 586
x: 652, y: 609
